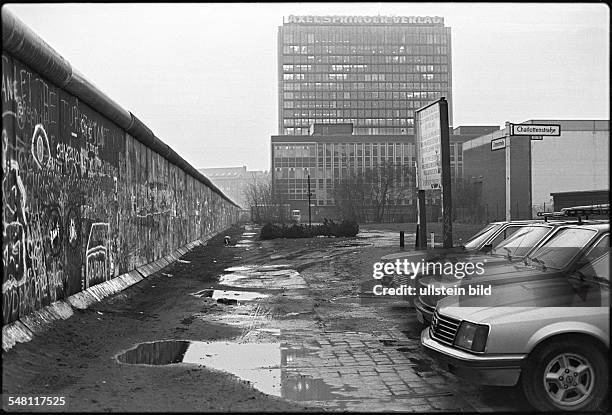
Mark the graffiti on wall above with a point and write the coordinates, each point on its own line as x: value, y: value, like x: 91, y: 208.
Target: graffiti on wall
x: 84, y: 201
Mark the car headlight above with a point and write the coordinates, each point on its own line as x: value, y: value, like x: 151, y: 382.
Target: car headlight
x: 472, y: 336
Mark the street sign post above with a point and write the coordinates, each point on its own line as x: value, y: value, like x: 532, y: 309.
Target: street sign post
x: 498, y: 144
x: 549, y: 130
x: 433, y: 165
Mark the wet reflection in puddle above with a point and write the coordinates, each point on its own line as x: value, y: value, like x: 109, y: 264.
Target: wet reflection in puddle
x: 258, y: 363
x: 385, y: 238
x: 276, y: 276
x: 157, y: 353
x: 306, y: 388
x: 231, y: 295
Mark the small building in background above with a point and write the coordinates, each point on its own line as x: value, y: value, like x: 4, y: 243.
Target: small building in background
x: 578, y: 159
x: 233, y: 181
x: 561, y: 200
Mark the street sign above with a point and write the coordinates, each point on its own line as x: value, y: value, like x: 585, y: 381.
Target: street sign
x: 498, y: 144
x: 553, y: 130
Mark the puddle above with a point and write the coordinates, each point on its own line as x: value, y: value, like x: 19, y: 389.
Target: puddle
x: 258, y: 363
x: 351, y: 244
x: 158, y: 353
x: 231, y: 297
x: 421, y: 365
x: 306, y: 388
x: 385, y: 238
x: 262, y: 276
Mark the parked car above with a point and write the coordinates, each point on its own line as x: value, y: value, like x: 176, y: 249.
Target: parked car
x: 561, y: 251
x: 550, y: 335
x: 484, y: 241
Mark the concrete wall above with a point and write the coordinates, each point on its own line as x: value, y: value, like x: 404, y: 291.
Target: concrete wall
x: 89, y: 192
x: 488, y: 169
x: 584, y: 155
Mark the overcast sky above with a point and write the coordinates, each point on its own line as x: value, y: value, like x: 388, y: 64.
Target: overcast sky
x: 203, y: 77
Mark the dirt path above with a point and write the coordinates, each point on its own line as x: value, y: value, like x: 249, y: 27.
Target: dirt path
x: 296, y: 318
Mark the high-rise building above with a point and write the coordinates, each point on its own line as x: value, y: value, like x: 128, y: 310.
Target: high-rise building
x: 371, y: 71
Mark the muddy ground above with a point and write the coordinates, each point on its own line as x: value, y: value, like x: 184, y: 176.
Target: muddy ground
x: 293, y: 318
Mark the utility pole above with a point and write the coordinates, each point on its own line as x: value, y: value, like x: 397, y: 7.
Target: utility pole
x: 309, y: 196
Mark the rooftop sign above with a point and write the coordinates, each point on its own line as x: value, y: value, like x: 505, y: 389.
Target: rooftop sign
x: 380, y: 20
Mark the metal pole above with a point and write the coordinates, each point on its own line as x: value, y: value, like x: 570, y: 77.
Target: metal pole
x: 422, y: 221
x: 508, y: 134
x: 309, y: 196
x: 446, y: 203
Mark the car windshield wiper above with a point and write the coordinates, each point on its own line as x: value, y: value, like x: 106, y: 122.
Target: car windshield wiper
x: 508, y: 250
x: 539, y: 261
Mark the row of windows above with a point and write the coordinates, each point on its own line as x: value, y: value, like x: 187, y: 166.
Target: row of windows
x: 430, y: 82
x: 397, y: 50
x: 383, y: 122
x: 344, y: 149
x: 364, y: 35
x: 349, y: 149
x: 367, y: 62
x: 357, y: 130
x: 399, y: 103
x: 366, y: 86
x: 368, y: 77
x: 351, y: 103
x: 354, y: 113
x: 373, y: 68
x: 312, y: 58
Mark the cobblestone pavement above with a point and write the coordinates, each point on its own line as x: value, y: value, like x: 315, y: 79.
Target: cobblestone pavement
x: 342, y: 349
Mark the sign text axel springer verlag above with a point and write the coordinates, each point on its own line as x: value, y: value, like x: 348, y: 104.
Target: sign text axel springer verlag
x: 366, y: 19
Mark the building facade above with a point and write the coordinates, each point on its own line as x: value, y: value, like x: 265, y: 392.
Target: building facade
x: 332, y: 157
x: 577, y: 160
x: 371, y: 71
x: 233, y: 181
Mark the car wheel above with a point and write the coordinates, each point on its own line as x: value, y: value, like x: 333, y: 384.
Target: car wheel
x: 566, y: 376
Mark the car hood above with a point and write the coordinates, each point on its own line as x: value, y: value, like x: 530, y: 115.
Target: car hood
x: 560, y: 292
x: 428, y: 255
x: 498, y: 274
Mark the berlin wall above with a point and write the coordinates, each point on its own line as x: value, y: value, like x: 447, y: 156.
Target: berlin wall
x: 89, y: 192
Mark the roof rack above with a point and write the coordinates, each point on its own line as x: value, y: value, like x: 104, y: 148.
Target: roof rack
x: 578, y: 212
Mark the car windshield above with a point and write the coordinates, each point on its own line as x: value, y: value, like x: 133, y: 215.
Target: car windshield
x: 521, y: 241
x: 597, y: 270
x: 477, y: 240
x: 564, y: 245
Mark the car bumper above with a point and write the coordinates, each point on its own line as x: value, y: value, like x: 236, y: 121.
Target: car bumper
x: 501, y: 370
x: 424, y: 313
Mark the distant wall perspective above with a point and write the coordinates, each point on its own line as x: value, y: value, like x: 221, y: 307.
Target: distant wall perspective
x: 89, y: 192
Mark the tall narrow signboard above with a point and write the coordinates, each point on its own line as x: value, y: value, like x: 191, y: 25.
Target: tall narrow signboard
x: 433, y: 163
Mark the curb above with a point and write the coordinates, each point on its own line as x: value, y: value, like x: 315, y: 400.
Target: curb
x: 37, y: 322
